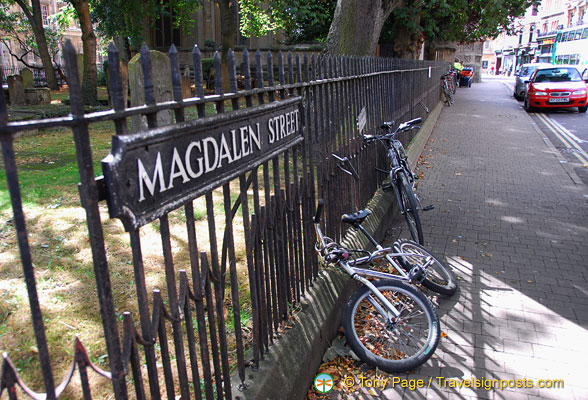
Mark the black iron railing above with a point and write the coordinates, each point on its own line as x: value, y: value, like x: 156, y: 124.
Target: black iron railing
x: 276, y: 199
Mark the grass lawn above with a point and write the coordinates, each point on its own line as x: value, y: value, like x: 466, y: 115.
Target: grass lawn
x: 62, y: 257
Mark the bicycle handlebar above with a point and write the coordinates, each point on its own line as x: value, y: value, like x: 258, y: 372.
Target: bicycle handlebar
x: 411, y: 124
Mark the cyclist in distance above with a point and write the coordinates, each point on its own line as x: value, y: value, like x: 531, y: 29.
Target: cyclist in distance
x: 457, y: 65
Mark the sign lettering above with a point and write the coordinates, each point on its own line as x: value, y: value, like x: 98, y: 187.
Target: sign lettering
x: 150, y: 173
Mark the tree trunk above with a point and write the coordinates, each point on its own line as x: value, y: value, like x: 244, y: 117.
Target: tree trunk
x: 36, y: 21
x: 407, y: 44
x: 228, y: 39
x: 124, y: 48
x: 89, y: 89
x: 357, y: 25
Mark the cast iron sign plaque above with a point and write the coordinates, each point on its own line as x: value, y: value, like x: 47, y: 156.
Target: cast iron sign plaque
x: 153, y: 172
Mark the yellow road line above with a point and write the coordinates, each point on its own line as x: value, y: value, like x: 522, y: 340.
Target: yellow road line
x: 565, y: 139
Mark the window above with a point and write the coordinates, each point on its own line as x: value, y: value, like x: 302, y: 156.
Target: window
x: 166, y: 32
x: 558, y: 37
x: 45, y: 14
x: 578, y: 34
x: 558, y: 75
x: 585, y: 33
x: 574, y: 59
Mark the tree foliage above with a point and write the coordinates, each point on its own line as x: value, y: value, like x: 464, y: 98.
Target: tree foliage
x: 302, y: 21
x: 16, y: 28
x: 31, y: 20
x: 454, y: 20
x: 125, y: 17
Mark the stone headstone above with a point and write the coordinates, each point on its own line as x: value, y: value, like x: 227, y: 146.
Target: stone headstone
x: 162, y: 87
x: 27, y: 78
x: 35, y: 96
x: 186, y: 83
x: 16, y: 92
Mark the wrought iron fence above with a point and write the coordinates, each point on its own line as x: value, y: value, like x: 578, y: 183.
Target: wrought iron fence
x: 276, y: 197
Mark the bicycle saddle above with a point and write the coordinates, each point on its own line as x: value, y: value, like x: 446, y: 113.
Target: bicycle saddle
x: 356, y: 218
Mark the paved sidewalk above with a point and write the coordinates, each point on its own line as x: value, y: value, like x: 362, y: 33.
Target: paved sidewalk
x: 514, y: 227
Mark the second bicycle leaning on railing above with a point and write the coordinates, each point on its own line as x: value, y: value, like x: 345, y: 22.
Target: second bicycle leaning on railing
x: 401, y: 178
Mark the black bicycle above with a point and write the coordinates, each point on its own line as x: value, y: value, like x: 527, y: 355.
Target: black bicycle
x: 401, y: 179
x: 448, y: 88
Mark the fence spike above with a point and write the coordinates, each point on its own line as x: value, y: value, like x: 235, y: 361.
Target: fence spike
x: 197, y: 59
x: 232, y: 72
x: 175, y: 73
x: 147, y: 80
x: 75, y: 90
x: 218, y: 74
x: 116, y: 87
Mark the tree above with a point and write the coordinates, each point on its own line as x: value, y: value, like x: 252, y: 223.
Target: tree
x: 128, y: 21
x: 357, y: 24
x: 16, y: 29
x: 302, y: 21
x: 449, y: 20
x: 90, y: 74
x: 33, y: 15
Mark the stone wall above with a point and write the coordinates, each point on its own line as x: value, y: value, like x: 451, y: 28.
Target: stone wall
x: 470, y: 55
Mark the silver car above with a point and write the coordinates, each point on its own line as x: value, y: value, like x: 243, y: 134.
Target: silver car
x: 522, y: 75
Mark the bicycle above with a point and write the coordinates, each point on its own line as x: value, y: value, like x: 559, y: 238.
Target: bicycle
x: 448, y: 88
x: 388, y: 323
x: 402, y: 179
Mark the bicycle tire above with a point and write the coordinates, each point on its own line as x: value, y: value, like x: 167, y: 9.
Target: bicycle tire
x: 408, y: 343
x: 411, y: 213
x: 439, y: 277
x: 447, y: 94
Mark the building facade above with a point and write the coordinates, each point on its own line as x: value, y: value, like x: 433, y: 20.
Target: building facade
x: 535, y: 35
x: 49, y: 8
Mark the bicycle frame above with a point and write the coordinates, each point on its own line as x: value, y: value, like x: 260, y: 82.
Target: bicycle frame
x: 398, y: 165
x: 360, y: 274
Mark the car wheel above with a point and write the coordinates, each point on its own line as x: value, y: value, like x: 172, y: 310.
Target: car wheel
x: 527, y: 106
x: 582, y: 109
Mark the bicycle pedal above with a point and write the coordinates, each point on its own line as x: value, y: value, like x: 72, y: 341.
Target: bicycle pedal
x: 428, y: 208
x: 386, y: 187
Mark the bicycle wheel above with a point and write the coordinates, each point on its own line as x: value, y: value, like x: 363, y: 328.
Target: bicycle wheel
x: 396, y: 345
x: 411, y: 212
x: 447, y: 95
x: 439, y: 276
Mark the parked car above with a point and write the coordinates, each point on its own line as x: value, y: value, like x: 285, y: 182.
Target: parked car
x: 522, y: 75
x: 556, y: 86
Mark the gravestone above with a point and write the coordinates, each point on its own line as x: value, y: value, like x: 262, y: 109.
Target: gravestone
x: 16, y: 92
x: 186, y: 83
x: 36, y: 96
x: 27, y: 78
x: 162, y: 87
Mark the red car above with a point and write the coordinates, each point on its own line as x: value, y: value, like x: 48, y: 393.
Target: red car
x: 556, y: 86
